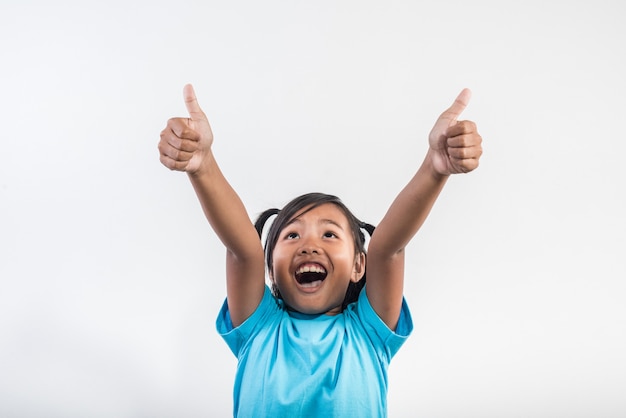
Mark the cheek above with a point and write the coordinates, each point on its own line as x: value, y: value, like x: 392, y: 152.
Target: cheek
x: 346, y: 258
x: 279, y: 263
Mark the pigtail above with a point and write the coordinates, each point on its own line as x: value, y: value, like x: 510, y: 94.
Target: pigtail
x: 354, y: 289
x: 368, y: 227
x: 262, y: 219
x: 259, y: 225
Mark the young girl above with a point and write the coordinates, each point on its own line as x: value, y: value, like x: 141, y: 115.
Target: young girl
x: 318, y: 343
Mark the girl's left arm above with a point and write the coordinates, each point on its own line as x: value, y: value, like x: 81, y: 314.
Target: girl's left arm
x: 454, y: 147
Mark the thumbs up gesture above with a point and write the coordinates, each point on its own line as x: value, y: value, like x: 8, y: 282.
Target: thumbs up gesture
x: 455, y: 146
x: 185, y: 142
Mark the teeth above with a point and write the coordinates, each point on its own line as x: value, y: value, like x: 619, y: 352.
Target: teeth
x: 311, y: 269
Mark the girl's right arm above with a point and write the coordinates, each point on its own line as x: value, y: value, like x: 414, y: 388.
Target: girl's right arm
x: 185, y: 145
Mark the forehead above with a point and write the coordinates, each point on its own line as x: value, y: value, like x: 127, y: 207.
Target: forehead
x: 324, y: 213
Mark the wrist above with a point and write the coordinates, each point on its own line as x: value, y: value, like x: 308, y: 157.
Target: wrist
x: 205, y: 166
x: 429, y: 167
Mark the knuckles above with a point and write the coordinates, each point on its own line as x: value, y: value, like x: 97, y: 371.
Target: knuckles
x: 177, y: 142
x: 180, y: 128
x: 466, y: 126
x: 176, y: 121
x: 463, y: 127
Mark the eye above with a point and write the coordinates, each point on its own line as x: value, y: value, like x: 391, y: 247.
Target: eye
x: 330, y: 234
x: 292, y: 235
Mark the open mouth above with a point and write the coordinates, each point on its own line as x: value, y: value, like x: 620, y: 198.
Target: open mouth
x: 310, y: 275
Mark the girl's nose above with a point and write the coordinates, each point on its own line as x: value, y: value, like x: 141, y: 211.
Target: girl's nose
x: 309, y: 246
x: 309, y: 249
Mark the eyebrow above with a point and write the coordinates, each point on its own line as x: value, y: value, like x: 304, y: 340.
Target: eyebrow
x: 321, y: 221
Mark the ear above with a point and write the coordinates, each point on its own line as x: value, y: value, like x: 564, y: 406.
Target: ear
x: 273, y: 285
x: 359, y: 268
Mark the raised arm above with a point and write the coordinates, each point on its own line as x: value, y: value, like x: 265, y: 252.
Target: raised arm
x: 454, y: 147
x: 185, y: 145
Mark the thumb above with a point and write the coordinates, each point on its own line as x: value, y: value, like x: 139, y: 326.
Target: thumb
x: 191, y: 102
x: 460, y: 103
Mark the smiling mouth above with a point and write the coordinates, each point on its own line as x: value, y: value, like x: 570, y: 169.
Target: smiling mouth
x: 310, y: 275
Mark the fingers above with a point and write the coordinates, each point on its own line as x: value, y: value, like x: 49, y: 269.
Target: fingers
x: 174, y: 159
x: 465, y: 153
x: 464, y: 146
x: 464, y: 165
x: 183, y: 152
x: 175, y: 150
x: 185, y: 141
x: 461, y: 132
x: 178, y: 136
x: 173, y: 164
x: 181, y: 129
x: 191, y: 102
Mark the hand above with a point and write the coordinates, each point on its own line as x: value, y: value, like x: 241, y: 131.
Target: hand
x: 455, y: 146
x: 185, y: 142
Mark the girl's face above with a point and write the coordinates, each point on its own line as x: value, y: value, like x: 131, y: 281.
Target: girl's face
x: 314, y: 260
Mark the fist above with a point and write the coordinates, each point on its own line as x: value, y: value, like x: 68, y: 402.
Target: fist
x: 185, y: 142
x: 455, y: 146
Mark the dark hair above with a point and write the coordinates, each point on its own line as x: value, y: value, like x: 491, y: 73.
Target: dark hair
x: 308, y: 202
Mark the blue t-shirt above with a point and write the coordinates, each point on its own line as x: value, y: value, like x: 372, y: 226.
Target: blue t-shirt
x: 297, y: 365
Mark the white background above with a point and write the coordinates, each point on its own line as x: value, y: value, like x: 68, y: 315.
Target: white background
x: 111, y: 279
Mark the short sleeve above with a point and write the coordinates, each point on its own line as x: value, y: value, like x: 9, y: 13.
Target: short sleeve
x: 391, y: 340
x: 237, y: 337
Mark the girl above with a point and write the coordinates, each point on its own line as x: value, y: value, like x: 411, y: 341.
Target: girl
x: 319, y: 343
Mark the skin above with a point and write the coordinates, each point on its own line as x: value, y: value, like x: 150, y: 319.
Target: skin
x: 318, y: 238
x: 185, y: 145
